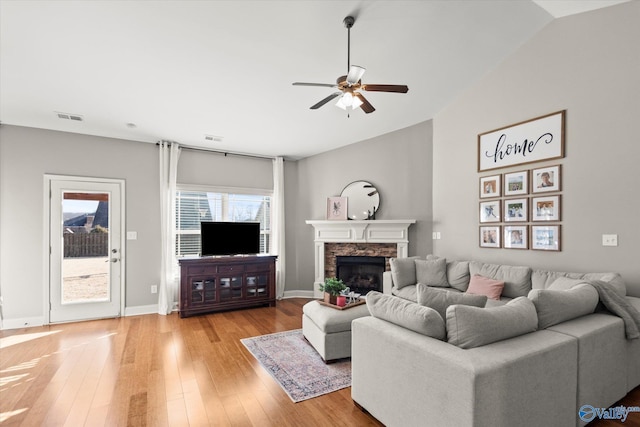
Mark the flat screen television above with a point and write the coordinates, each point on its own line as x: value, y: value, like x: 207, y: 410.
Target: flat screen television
x: 229, y: 238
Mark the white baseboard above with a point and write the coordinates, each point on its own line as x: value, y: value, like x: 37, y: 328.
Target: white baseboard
x: 23, y: 322
x: 298, y: 294
x: 139, y: 310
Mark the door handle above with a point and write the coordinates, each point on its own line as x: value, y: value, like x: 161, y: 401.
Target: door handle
x: 115, y: 259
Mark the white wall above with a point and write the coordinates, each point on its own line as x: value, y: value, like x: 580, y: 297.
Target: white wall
x: 588, y: 64
x: 398, y: 164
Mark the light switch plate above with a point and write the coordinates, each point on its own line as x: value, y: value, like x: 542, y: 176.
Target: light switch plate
x: 132, y: 235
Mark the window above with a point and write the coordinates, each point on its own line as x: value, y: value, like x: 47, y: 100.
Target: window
x: 194, y: 206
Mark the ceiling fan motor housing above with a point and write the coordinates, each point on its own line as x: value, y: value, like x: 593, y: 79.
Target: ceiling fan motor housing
x: 349, y: 21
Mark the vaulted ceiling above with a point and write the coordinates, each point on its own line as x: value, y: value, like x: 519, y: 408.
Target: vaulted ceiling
x: 185, y: 70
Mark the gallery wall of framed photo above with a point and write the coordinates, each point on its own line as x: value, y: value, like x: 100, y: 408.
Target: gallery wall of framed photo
x: 521, y: 209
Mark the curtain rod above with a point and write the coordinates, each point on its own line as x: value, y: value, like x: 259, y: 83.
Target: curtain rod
x: 225, y: 153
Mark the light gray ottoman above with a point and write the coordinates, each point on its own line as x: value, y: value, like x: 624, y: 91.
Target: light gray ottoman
x: 329, y: 330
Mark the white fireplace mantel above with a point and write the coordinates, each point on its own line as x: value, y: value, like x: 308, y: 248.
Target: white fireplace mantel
x: 357, y: 231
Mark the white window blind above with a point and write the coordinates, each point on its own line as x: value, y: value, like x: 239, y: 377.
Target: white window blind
x: 194, y: 206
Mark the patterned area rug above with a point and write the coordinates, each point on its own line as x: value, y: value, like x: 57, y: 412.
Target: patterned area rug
x: 296, y: 366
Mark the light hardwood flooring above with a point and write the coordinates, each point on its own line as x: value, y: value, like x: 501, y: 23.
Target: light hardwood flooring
x: 164, y: 371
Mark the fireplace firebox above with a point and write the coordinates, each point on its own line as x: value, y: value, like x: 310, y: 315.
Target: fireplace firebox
x: 361, y: 273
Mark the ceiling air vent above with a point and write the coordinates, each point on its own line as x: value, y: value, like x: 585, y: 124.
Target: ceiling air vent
x: 68, y: 116
x: 213, y: 138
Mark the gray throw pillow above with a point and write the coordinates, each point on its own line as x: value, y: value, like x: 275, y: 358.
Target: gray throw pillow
x: 557, y: 306
x: 432, y: 272
x: 407, y: 314
x: 469, y: 327
x: 403, y: 271
x: 458, y: 275
x: 440, y: 299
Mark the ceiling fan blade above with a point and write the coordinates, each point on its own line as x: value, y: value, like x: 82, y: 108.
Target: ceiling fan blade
x: 324, y: 101
x: 315, y: 84
x: 366, y: 105
x: 386, y: 88
x: 355, y: 74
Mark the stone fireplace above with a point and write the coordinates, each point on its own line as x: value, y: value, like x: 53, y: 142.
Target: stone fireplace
x: 360, y: 239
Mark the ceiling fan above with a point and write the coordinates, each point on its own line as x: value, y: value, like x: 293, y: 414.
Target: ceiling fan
x: 349, y: 86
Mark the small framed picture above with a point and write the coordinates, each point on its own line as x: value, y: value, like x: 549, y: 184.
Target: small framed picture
x: 337, y: 208
x: 516, y: 183
x: 545, y: 237
x: 546, y: 179
x: 490, y: 211
x: 515, y: 210
x: 545, y: 208
x: 490, y: 186
x: 490, y: 236
x: 516, y: 237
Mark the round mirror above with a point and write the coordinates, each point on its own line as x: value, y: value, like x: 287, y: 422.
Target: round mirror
x: 363, y: 200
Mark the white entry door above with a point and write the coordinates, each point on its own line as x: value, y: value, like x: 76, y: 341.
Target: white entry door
x: 85, y: 261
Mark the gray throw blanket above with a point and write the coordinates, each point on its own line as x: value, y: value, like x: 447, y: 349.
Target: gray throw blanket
x: 619, y: 306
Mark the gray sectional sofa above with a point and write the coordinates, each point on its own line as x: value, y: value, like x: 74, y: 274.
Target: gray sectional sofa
x: 536, y: 356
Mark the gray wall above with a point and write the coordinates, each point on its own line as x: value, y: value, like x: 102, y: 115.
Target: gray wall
x: 26, y: 154
x: 398, y: 164
x: 588, y: 64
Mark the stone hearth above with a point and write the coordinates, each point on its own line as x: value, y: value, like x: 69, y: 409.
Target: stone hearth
x: 387, y: 238
x: 333, y: 250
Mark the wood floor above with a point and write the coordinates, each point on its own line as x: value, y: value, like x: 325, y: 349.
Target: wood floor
x: 164, y: 371
x: 157, y: 371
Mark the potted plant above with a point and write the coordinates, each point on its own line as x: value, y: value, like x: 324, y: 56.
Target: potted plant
x: 332, y: 287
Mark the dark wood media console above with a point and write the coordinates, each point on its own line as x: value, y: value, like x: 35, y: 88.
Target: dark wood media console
x: 212, y: 284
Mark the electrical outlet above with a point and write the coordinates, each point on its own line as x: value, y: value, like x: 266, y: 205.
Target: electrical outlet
x: 435, y: 235
x: 154, y: 289
x: 609, y: 240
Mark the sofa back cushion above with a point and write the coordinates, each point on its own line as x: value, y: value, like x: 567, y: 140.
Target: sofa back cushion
x: 557, y: 306
x: 458, y: 274
x: 439, y: 299
x: 409, y: 315
x: 469, y: 327
x: 403, y: 271
x: 517, y: 279
x: 542, y: 279
x: 432, y: 272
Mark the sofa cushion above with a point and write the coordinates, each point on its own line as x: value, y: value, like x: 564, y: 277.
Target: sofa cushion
x: 409, y: 315
x: 469, y: 327
x: 543, y: 279
x: 432, y: 272
x: 403, y: 271
x: 557, y: 306
x: 480, y: 285
x: 458, y: 275
x: 565, y: 283
x: 440, y: 299
x: 517, y: 279
x: 408, y: 292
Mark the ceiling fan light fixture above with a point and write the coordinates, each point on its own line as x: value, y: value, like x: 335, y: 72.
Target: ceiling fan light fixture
x: 348, y: 102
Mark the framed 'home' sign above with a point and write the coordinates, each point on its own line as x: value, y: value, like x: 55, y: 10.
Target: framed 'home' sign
x: 534, y: 140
